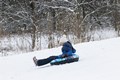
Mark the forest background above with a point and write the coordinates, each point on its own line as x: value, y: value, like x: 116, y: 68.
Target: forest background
x: 30, y: 25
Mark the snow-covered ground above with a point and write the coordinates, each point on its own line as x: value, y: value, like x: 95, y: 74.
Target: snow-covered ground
x: 99, y: 60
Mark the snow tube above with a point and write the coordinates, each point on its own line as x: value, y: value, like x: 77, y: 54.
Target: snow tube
x: 69, y: 59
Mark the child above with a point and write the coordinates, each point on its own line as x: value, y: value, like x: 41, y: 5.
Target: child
x: 67, y: 50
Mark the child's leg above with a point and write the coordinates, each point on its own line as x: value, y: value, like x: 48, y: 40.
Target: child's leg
x: 41, y: 62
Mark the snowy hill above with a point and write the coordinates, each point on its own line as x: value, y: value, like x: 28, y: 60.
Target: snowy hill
x: 99, y: 60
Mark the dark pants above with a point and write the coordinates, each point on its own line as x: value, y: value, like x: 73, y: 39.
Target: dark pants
x: 41, y: 62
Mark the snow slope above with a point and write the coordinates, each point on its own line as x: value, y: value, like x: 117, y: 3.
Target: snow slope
x: 99, y: 60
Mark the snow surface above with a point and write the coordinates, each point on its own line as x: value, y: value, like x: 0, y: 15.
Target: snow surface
x: 99, y: 60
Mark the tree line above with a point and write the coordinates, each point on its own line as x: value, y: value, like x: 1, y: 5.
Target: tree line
x: 57, y: 17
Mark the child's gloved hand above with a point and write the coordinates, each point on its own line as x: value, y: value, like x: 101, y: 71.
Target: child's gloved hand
x: 64, y: 55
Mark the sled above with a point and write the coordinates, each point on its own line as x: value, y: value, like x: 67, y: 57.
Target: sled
x: 70, y: 59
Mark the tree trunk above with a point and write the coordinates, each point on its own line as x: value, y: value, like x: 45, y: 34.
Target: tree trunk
x: 33, y: 37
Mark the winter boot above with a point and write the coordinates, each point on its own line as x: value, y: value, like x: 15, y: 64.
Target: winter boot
x: 35, y: 60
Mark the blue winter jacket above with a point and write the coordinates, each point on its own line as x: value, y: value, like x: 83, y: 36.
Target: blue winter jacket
x: 68, y: 49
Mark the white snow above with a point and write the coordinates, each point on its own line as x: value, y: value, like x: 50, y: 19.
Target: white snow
x: 99, y: 60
